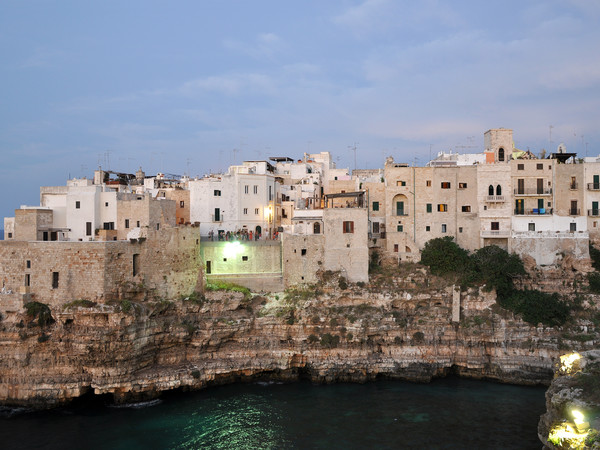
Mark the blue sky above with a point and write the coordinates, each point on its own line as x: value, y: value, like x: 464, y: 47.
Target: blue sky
x: 176, y: 86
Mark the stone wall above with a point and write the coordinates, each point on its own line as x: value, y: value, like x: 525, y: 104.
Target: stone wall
x: 549, y: 248
x: 302, y: 258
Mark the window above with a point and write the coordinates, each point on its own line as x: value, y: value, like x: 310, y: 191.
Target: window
x: 442, y: 207
x: 77, y: 204
x: 520, y: 166
x: 270, y: 193
x: 256, y: 211
x: 303, y: 252
x: 105, y: 203
x: 245, y: 189
x: 498, y: 190
x: 429, y: 207
x: 396, y: 248
x: 137, y: 224
x: 495, y: 226
x: 500, y: 154
x: 54, y: 280
x: 375, y: 206
x: 10, y: 235
x: 244, y: 258
x: 317, y: 228
x: 181, y: 204
x: 27, y: 279
x: 400, y: 228
x: 255, y: 189
x: 217, y: 193
x: 348, y: 226
x: 136, y: 264
x: 126, y: 223
x: 108, y: 225
x: 428, y: 183
x: 245, y: 210
x: 462, y: 185
x: 460, y: 229
x: 443, y: 228
x: 531, y: 227
x: 400, y: 183
x: 445, y: 185
x: 539, y: 166
x: 427, y: 228
x: 88, y: 228
x: 28, y: 264
x: 466, y: 208
x: 375, y: 227
x: 572, y: 227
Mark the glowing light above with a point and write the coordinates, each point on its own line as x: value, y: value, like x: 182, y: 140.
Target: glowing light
x: 566, y: 436
x: 231, y: 249
x: 567, y: 363
x: 579, y: 420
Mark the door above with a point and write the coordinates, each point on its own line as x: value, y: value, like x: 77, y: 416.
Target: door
x: 574, y: 211
x: 399, y: 208
x: 217, y: 214
x: 596, y: 182
x: 594, y: 209
x: 519, y: 206
x: 540, y: 185
x: 540, y: 205
x: 208, y: 267
x: 520, y: 186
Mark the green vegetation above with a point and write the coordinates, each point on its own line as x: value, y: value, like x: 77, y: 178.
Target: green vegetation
x: 313, y: 339
x: 80, y: 303
x: 126, y: 306
x: 595, y: 257
x: 594, y: 282
x: 39, y: 311
x: 329, y: 341
x: 495, y: 268
x: 224, y: 286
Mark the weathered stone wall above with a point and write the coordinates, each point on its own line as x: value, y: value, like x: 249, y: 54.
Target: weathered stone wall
x: 302, y: 258
x: 549, y: 248
x: 29, y: 223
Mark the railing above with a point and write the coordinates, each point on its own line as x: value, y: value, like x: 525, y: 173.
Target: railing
x: 533, y: 212
x: 593, y: 186
x: 401, y: 213
x: 494, y: 198
x: 594, y: 212
x: 574, y: 186
x: 217, y: 218
x: 574, y: 212
x: 533, y: 191
x: 495, y: 233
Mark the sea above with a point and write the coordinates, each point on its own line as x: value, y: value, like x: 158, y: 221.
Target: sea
x: 448, y: 413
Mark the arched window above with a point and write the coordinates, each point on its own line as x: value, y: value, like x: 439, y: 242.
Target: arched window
x: 317, y: 228
x: 491, y: 190
x: 500, y: 154
x: 498, y: 190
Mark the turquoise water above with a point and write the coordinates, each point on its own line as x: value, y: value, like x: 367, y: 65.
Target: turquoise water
x: 447, y: 413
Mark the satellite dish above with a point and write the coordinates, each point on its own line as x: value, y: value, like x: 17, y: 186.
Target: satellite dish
x: 562, y: 148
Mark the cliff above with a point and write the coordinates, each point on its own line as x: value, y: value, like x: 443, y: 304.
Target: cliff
x: 398, y: 327
x: 572, y: 418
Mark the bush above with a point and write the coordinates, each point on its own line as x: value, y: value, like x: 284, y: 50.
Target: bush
x: 224, y: 286
x: 418, y: 337
x: 80, y: 303
x: 496, y: 268
x: 342, y: 283
x: 594, y: 282
x: 39, y: 311
x: 444, y: 256
x: 330, y: 341
x: 126, y: 306
x: 537, y: 307
x: 595, y: 257
x: 312, y: 339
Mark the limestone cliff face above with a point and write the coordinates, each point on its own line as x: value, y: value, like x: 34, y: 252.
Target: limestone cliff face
x: 573, y: 394
x: 349, y: 334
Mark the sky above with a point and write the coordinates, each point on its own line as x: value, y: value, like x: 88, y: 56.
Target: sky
x: 191, y: 87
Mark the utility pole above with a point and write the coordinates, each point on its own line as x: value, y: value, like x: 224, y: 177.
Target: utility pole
x: 353, y: 147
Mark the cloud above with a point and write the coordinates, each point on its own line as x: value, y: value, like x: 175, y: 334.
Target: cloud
x: 265, y: 46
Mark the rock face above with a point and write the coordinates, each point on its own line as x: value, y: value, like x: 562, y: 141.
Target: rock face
x: 333, y: 335
x: 573, y: 397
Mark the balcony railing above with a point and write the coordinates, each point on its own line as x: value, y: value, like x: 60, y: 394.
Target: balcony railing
x: 402, y: 213
x: 594, y: 212
x: 217, y: 218
x: 574, y: 186
x: 574, y: 212
x: 593, y: 186
x: 533, y: 212
x: 494, y: 198
x: 495, y: 233
x: 533, y: 191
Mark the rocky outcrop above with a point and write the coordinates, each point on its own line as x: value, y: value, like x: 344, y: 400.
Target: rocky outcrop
x: 136, y: 350
x: 572, y: 418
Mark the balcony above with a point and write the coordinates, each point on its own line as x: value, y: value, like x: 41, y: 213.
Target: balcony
x: 494, y: 198
x: 402, y: 213
x: 533, y: 212
x: 218, y: 218
x: 495, y: 233
x: 574, y: 186
x: 533, y: 192
x: 574, y: 212
x: 594, y: 212
x: 593, y: 186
